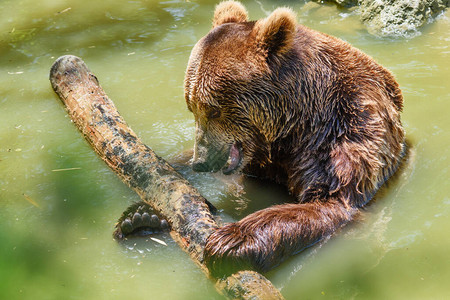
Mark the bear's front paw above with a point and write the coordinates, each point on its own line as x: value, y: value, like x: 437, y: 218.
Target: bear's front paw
x: 232, y: 248
x: 140, y: 220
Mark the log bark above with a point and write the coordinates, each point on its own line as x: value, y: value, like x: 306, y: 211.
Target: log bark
x: 153, y: 179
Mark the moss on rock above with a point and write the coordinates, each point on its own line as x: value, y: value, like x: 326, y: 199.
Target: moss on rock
x: 396, y: 17
x: 399, y: 17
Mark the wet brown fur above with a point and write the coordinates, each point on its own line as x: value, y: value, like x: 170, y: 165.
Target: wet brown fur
x: 308, y: 110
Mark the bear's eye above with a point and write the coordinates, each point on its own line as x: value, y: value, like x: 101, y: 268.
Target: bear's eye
x: 214, y: 113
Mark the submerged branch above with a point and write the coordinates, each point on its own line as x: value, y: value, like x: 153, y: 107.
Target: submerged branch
x: 153, y: 179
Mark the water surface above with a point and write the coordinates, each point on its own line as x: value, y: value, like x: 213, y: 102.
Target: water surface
x: 56, y: 238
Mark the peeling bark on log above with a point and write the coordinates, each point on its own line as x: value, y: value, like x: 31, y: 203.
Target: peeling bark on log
x: 153, y: 179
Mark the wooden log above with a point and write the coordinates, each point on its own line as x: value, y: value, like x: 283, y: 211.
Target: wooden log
x: 153, y: 179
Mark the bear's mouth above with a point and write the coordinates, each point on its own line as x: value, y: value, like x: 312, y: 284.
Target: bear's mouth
x: 234, y: 159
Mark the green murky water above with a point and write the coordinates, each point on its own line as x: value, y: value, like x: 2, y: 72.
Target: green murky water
x: 55, y: 237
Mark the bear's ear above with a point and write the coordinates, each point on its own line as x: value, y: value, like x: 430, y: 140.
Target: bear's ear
x: 229, y: 12
x: 275, y: 34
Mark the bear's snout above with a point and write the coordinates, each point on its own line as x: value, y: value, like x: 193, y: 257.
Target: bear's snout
x: 200, y: 167
x: 216, y: 157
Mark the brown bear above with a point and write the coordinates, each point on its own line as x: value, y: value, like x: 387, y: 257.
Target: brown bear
x: 280, y: 101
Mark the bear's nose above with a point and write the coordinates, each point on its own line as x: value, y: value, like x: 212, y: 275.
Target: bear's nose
x: 200, y: 167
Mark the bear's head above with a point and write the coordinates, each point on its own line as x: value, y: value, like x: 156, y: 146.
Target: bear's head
x: 237, y: 85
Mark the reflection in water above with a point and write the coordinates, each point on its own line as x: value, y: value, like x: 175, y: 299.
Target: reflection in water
x: 139, y: 49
